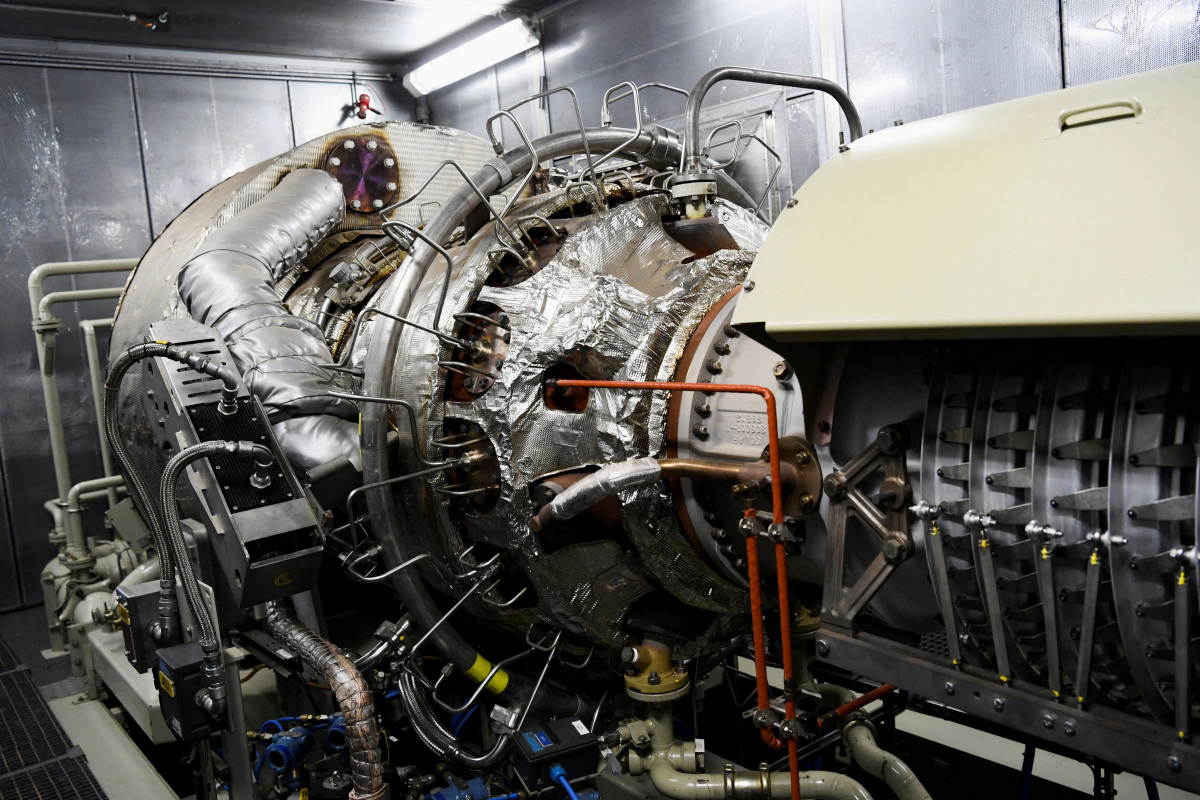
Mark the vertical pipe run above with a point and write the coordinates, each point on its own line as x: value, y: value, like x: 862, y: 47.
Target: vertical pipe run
x: 752, y: 566
x: 46, y: 327
x: 96, y: 371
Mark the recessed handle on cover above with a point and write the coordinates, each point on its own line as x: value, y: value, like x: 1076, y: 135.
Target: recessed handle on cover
x: 1122, y: 109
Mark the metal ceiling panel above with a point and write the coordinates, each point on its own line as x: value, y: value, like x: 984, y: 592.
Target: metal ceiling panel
x: 367, y: 30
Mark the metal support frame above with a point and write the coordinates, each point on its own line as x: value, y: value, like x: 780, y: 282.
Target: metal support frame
x: 886, y: 517
x: 1129, y: 742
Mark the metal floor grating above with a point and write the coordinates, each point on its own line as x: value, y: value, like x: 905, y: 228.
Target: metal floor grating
x: 29, y: 733
x: 67, y: 778
x: 37, y: 761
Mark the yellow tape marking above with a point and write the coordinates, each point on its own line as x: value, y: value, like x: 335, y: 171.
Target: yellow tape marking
x: 480, y: 669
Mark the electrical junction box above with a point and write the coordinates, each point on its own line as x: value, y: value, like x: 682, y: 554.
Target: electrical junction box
x: 179, y: 674
x: 268, y: 542
x: 137, y: 610
x: 566, y: 742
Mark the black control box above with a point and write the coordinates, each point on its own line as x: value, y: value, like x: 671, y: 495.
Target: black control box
x: 137, y: 609
x: 566, y: 742
x: 179, y: 674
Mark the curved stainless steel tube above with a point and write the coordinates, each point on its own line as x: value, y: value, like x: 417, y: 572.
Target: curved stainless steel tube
x: 691, y: 131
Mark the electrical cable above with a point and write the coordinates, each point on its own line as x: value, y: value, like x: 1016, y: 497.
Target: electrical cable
x: 562, y: 779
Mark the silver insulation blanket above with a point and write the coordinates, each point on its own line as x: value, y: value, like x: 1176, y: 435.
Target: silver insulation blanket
x: 229, y: 284
x: 151, y: 292
x: 618, y: 301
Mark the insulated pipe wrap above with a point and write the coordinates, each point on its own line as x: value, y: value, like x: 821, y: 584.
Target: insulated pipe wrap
x: 609, y: 480
x: 353, y: 697
x: 229, y: 284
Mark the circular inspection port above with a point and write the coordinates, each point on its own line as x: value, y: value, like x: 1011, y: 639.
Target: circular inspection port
x: 472, y: 370
x: 572, y: 399
x: 474, y: 487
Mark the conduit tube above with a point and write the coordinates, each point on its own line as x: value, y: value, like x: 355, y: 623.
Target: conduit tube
x: 214, y: 695
x: 859, y: 737
x: 439, y: 740
x: 135, y: 482
x: 396, y: 299
x: 693, y: 161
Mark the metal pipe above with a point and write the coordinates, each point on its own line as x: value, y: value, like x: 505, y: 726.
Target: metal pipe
x: 46, y: 327
x: 693, y: 160
x: 350, y: 690
x: 859, y: 737
x: 77, y: 553
x: 77, y: 296
x: 96, y: 372
x: 396, y: 298
x: 752, y: 785
x: 189, y: 69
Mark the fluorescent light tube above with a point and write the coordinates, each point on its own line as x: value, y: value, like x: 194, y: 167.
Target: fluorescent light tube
x: 493, y: 47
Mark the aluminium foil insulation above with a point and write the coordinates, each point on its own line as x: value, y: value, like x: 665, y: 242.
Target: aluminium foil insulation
x: 151, y: 293
x: 350, y: 690
x: 619, y: 300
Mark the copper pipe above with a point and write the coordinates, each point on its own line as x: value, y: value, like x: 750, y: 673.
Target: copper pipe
x: 760, y: 663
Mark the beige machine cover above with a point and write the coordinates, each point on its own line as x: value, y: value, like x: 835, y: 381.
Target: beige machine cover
x: 1074, y: 212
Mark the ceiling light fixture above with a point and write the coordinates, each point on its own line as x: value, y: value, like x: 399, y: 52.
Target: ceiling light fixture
x: 496, y: 45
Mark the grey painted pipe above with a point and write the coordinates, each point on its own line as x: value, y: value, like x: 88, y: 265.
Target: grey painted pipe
x: 76, y: 541
x: 396, y: 299
x: 691, y: 115
x: 859, y: 738
x: 96, y: 373
x: 45, y: 351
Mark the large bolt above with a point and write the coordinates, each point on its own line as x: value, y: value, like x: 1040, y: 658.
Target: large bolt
x: 389, y: 162
x: 348, y: 144
x: 372, y: 145
x: 998, y: 704
x: 703, y: 408
x: 721, y: 347
x: 949, y: 688
x: 713, y: 366
x: 896, y: 548
x: 1069, y: 728
x: 1174, y: 763
x: 717, y: 534
x: 732, y: 332
x: 335, y: 162
x: 1048, y: 722
x: 822, y: 646
x: 700, y: 431
x: 782, y: 371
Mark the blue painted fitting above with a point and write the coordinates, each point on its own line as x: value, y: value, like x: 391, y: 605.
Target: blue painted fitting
x: 287, y: 749
x: 557, y: 773
x: 335, y: 737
